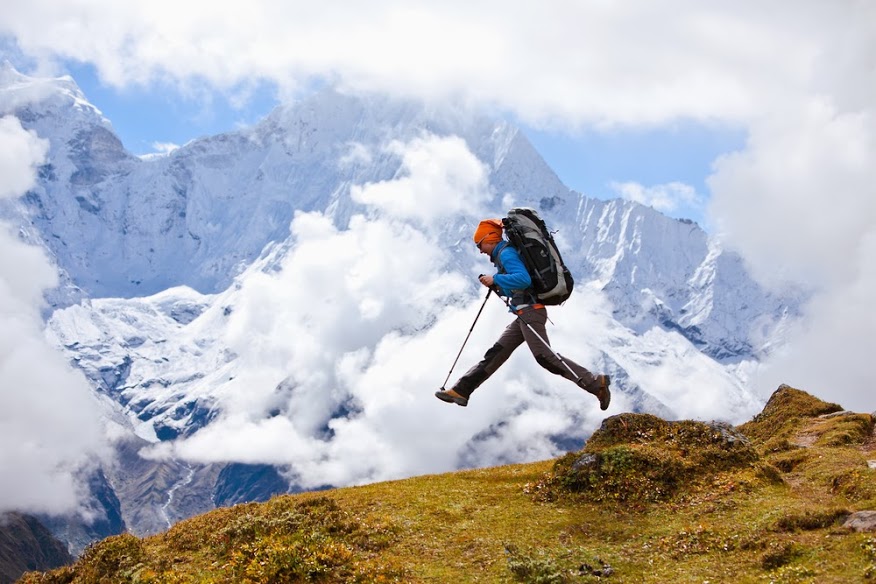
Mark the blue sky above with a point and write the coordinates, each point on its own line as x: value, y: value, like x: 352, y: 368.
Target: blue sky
x: 591, y: 162
x: 160, y: 112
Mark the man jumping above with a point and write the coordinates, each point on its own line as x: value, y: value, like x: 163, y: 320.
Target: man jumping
x: 512, y: 281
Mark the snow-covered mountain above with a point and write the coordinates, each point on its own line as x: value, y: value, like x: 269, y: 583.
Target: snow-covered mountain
x: 172, y: 267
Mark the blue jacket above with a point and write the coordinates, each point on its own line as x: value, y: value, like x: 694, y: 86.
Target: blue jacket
x: 512, y: 279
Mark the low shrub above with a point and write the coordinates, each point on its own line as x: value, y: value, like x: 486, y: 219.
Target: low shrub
x: 641, y: 458
x: 810, y: 520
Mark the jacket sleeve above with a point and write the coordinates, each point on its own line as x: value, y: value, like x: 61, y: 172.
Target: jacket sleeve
x: 515, y: 277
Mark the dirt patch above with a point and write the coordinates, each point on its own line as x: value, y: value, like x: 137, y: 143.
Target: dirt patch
x: 804, y: 440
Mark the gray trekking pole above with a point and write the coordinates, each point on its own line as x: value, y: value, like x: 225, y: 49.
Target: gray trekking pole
x: 489, y: 291
x: 546, y: 344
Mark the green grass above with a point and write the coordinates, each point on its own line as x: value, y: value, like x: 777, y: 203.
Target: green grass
x: 645, y: 501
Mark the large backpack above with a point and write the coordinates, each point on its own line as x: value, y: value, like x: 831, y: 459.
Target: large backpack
x: 551, y: 281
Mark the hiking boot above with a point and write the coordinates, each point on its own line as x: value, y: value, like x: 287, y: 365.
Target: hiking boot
x: 451, y: 397
x: 602, y: 391
x: 599, y: 388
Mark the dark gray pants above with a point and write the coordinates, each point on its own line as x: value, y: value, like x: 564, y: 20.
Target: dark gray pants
x: 516, y: 333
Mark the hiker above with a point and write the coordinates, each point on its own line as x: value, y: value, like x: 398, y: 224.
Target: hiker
x: 513, y: 281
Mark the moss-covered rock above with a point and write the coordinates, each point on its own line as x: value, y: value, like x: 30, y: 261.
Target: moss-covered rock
x: 783, y: 415
x: 640, y: 457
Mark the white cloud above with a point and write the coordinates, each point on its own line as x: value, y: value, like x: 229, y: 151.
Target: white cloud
x: 22, y: 152
x: 375, y: 350
x: 800, y: 197
x: 831, y: 351
x: 665, y: 198
x: 49, y: 426
x: 357, y: 154
x: 441, y: 179
x: 568, y: 62
x: 397, y: 428
x: 164, y: 147
x: 799, y: 203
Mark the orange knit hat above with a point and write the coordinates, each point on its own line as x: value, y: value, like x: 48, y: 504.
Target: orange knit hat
x: 488, y: 231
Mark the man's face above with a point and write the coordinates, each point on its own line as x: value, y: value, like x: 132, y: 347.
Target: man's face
x: 486, y: 248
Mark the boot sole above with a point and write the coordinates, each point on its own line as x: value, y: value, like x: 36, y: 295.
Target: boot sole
x: 445, y: 397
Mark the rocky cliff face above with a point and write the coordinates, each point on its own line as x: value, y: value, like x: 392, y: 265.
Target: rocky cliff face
x: 26, y: 545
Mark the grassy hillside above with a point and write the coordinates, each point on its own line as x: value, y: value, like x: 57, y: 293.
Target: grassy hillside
x: 645, y: 501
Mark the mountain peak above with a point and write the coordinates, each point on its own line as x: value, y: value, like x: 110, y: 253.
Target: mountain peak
x: 11, y: 77
x: 8, y: 72
x: 18, y: 91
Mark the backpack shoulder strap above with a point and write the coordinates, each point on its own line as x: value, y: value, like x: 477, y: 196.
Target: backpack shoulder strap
x: 498, y: 260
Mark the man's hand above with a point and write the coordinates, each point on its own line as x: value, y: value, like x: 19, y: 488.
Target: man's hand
x: 486, y: 280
